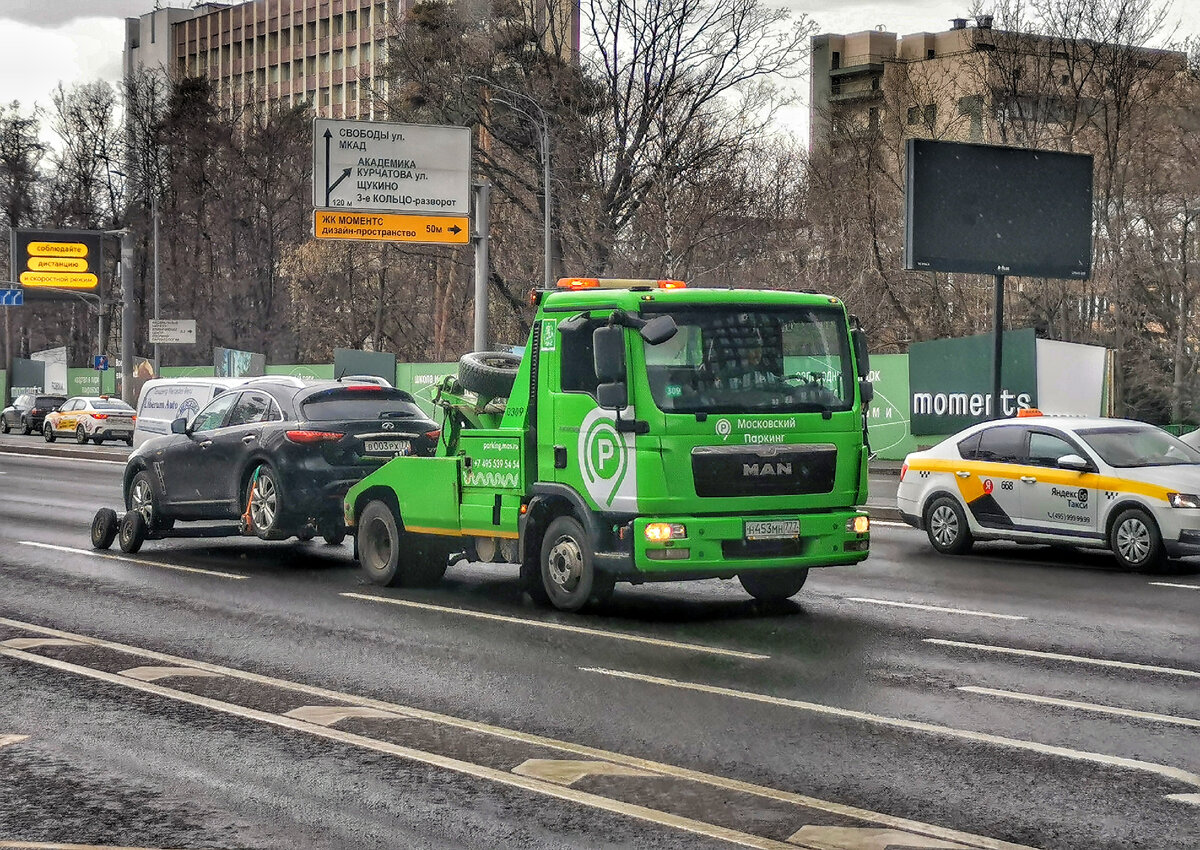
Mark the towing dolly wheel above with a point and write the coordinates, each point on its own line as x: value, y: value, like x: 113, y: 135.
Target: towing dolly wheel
x: 334, y: 534
x: 132, y: 532
x: 774, y: 586
x: 104, y: 528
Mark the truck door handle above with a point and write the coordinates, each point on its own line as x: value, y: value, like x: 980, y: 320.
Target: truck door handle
x: 1028, y: 479
x: 560, y: 457
x: 248, y: 439
x: 962, y: 473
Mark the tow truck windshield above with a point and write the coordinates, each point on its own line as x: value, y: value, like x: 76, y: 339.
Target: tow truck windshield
x: 771, y: 360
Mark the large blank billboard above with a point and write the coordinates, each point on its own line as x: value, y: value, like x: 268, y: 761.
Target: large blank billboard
x: 983, y: 209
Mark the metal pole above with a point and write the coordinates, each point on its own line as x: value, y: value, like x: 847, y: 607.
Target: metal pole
x: 127, y: 317
x: 154, y: 215
x: 997, y: 347
x: 482, y: 266
x: 547, y: 271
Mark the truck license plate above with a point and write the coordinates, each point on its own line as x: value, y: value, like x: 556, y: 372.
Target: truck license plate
x: 387, y: 447
x: 772, y: 529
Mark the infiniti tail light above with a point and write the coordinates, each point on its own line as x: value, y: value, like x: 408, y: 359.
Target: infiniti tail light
x: 310, y: 437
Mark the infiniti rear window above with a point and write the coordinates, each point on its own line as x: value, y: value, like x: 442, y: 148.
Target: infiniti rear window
x: 358, y: 403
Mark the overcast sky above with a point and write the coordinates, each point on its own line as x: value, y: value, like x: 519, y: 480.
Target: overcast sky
x: 48, y: 41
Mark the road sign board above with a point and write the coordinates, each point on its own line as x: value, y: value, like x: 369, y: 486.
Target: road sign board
x: 398, y: 168
x: 100, y: 362
x: 12, y: 297
x: 382, y: 227
x: 58, y: 259
x: 172, y: 331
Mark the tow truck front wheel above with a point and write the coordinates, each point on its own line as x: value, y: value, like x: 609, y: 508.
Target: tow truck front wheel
x: 569, y: 573
x: 773, y: 586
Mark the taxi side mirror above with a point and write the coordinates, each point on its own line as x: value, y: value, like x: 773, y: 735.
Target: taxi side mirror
x: 1074, y: 462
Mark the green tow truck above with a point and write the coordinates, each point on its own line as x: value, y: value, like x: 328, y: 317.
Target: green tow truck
x: 649, y: 432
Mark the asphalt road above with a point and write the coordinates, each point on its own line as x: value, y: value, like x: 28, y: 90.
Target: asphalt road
x: 230, y: 693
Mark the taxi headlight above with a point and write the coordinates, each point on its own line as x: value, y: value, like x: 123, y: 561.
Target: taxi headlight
x: 1183, y: 500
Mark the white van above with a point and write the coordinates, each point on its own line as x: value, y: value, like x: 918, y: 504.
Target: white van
x: 164, y: 400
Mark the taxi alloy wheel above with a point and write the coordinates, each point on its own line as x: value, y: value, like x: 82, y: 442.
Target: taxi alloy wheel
x: 946, y: 525
x: 48, y: 432
x: 1135, y: 540
x: 81, y: 436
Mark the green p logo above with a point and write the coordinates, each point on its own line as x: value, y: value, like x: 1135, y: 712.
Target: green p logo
x: 604, y: 460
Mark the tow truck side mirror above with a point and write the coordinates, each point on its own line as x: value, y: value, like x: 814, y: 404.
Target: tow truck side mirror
x: 658, y: 330
x: 862, y: 359
x: 608, y: 352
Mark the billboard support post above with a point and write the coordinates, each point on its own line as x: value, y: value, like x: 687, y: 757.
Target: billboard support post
x: 997, y: 347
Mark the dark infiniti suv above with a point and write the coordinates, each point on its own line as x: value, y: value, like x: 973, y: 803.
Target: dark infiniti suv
x: 277, y: 453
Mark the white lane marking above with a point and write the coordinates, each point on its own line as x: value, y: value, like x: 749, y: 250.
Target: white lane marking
x: 1082, y: 706
x: 1163, y: 770
x: 1172, y: 584
x: 888, y: 524
x: 570, y: 771
x: 96, y: 554
x: 5, y: 740
x: 562, y: 627
x: 55, y: 845
x: 479, y: 771
x: 859, y: 838
x: 582, y: 750
x: 153, y: 674
x: 1191, y: 799
x: 34, y: 643
x: 938, y: 608
x: 61, y: 457
x: 1058, y: 656
x: 327, y: 715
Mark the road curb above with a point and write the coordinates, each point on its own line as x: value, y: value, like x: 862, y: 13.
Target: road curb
x: 45, y: 452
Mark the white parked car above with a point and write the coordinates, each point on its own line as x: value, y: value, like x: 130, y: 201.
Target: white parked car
x: 1104, y: 483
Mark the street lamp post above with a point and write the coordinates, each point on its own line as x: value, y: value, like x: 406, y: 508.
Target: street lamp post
x: 542, y: 123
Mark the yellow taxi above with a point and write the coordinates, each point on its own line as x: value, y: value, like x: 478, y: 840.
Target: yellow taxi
x: 97, y: 418
x: 1112, y: 484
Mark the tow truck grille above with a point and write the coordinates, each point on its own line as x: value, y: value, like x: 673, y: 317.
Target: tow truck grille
x: 786, y: 470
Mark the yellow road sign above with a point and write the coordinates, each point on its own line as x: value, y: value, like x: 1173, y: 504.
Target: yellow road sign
x: 388, y: 227
x: 57, y: 264
x: 61, y: 280
x: 58, y: 249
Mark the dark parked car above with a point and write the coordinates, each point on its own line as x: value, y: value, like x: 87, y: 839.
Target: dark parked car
x: 28, y: 412
x: 279, y: 453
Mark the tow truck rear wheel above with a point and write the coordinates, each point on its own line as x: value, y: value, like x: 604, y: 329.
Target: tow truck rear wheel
x: 774, y: 586
x: 569, y: 573
x: 390, y: 556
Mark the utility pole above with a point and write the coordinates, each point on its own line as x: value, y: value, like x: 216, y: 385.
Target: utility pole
x: 482, y: 265
x: 154, y: 215
x: 128, y: 317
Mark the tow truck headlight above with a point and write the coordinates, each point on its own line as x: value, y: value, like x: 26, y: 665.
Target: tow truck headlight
x: 657, y: 532
x: 1183, y: 500
x: 858, y: 524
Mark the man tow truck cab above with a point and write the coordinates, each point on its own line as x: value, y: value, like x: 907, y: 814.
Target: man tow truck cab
x: 649, y: 432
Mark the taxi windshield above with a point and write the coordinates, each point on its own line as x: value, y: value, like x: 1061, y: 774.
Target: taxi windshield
x: 1138, y: 445
x: 791, y: 360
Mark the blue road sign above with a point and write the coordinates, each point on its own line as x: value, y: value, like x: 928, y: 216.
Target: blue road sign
x: 100, y: 362
x: 12, y: 297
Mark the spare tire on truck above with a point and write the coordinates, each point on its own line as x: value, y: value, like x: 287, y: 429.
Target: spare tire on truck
x: 488, y: 373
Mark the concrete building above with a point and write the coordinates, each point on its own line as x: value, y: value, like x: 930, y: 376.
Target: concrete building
x: 324, y: 52
x: 969, y: 83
